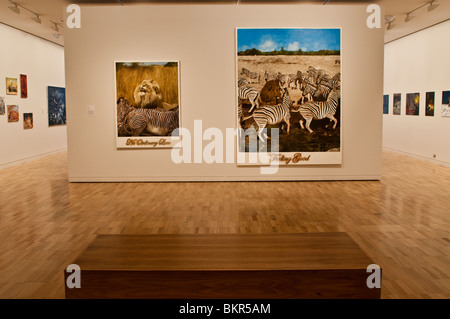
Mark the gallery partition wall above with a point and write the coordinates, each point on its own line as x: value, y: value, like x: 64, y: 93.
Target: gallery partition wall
x: 206, y: 70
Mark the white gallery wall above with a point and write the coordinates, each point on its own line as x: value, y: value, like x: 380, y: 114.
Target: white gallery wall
x: 202, y: 38
x: 43, y: 63
x: 418, y: 63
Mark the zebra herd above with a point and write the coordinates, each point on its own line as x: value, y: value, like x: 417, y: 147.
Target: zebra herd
x: 320, y: 94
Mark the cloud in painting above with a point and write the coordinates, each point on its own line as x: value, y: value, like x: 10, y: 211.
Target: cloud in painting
x: 267, y: 46
x: 294, y: 46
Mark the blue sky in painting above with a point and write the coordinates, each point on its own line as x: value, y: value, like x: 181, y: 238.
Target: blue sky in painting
x: 267, y: 40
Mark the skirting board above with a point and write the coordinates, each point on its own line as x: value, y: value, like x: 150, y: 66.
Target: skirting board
x: 32, y: 158
x: 220, y: 179
x: 419, y: 157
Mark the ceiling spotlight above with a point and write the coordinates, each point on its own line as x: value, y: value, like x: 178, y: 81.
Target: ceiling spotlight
x: 56, y: 36
x: 389, y: 18
x: 36, y: 18
x: 390, y: 25
x: 433, y: 5
x: 409, y: 17
x: 54, y: 26
x: 14, y: 8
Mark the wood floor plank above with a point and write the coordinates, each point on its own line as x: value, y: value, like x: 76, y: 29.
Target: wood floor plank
x: 401, y: 222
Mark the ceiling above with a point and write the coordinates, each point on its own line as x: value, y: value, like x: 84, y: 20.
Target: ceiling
x: 51, y: 12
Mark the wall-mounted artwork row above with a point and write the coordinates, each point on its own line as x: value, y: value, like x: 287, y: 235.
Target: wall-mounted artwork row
x: 13, y: 113
x: 429, y: 104
x: 11, y: 86
x: 27, y: 121
x: 385, y: 104
x: 2, y: 106
x: 23, y: 86
x: 412, y: 103
x: 288, y: 84
x: 445, y: 104
x: 396, y: 106
x: 147, y: 104
x: 56, y: 105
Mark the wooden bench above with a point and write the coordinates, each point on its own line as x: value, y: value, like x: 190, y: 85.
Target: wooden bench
x: 223, y: 266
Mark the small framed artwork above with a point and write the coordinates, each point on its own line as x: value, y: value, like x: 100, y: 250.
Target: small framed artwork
x: 23, y: 86
x: 11, y: 86
x: 27, y: 121
x: 445, y: 111
x: 396, y: 107
x: 56, y: 105
x: 429, y: 104
x: 412, y: 103
x: 13, y: 113
x: 386, y: 104
x: 2, y: 105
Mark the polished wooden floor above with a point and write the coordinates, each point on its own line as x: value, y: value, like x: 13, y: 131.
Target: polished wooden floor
x: 401, y: 222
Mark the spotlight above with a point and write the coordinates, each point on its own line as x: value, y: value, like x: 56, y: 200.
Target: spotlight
x: 56, y: 36
x: 54, y: 26
x: 409, y: 17
x: 36, y: 18
x: 14, y: 8
x: 433, y: 5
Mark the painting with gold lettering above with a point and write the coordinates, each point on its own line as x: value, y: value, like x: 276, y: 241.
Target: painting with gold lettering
x: 288, y: 96
x: 147, y: 104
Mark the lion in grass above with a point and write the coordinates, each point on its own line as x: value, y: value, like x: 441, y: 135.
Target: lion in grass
x: 148, y: 95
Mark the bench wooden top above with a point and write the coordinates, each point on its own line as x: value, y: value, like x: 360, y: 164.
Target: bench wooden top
x: 227, y: 252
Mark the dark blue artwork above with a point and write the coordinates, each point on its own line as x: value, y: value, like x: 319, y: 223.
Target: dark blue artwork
x: 56, y: 106
x: 386, y: 104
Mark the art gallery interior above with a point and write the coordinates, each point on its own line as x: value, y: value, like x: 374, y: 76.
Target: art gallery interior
x: 67, y: 181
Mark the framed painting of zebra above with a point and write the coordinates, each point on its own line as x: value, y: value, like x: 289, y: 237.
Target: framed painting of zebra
x: 445, y: 111
x: 147, y: 104
x: 412, y: 103
x: 288, y: 96
x: 56, y: 97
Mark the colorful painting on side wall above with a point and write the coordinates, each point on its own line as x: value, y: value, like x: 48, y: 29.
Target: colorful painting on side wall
x: 396, y: 106
x: 147, y: 104
x: 445, y: 112
x: 386, y: 104
x: 23, y: 86
x: 27, y: 121
x: 285, y: 77
x: 11, y: 86
x: 2, y: 106
x: 13, y: 113
x: 429, y: 104
x: 56, y: 105
x: 412, y: 103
